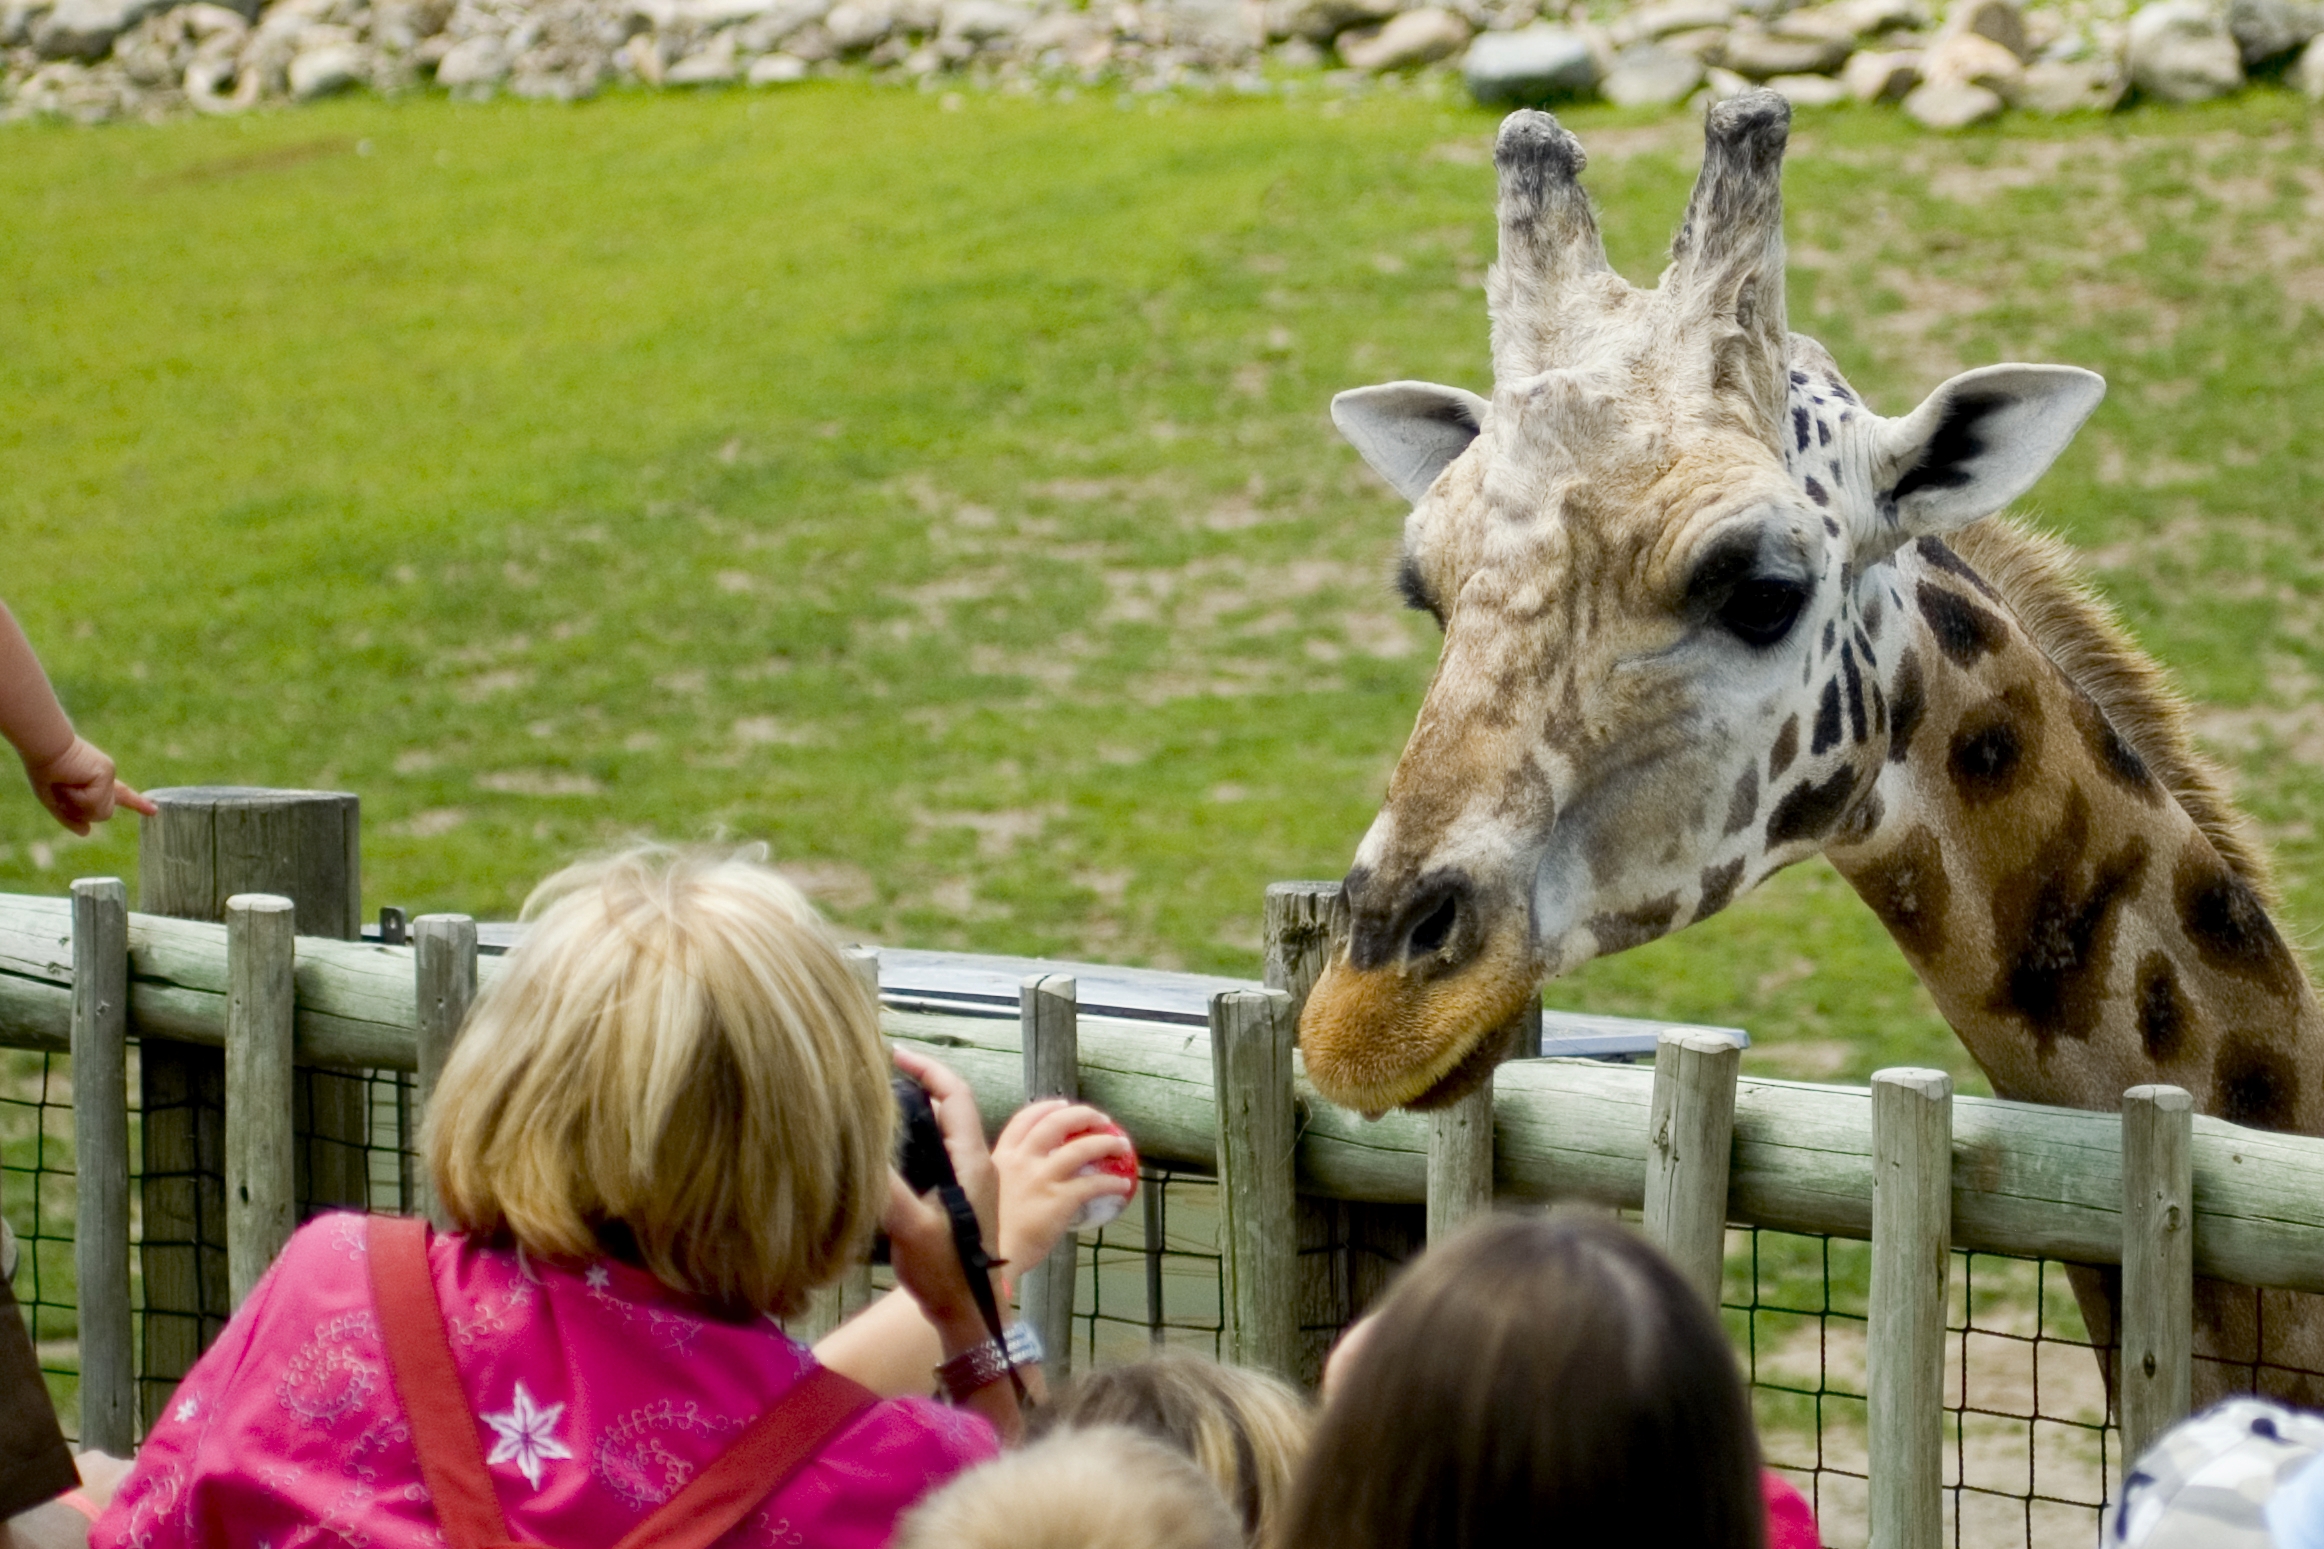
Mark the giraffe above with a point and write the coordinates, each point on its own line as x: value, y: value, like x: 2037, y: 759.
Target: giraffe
x: 1707, y: 614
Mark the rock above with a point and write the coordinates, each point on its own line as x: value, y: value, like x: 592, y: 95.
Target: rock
x: 777, y: 70
x: 1649, y: 22
x: 1870, y: 18
x: 983, y: 21
x: 1877, y: 75
x: 1949, y: 105
x: 1320, y: 21
x: 1531, y: 64
x: 2058, y: 87
x: 1808, y: 91
x: 1999, y: 21
x: 778, y: 21
x: 711, y: 66
x: 1817, y: 24
x: 1415, y: 38
x: 85, y: 29
x: 1723, y: 85
x: 1759, y: 55
x: 856, y: 25
x: 318, y: 72
x: 481, y: 61
x: 1972, y: 59
x: 2265, y: 29
x: 1647, y: 75
x: 1702, y: 45
x: 2181, y: 51
x: 2308, y: 74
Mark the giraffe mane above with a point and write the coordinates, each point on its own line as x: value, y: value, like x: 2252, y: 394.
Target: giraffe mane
x: 2036, y: 575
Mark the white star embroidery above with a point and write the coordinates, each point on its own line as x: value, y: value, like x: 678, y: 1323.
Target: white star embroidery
x: 599, y: 1277
x: 523, y: 1434
x: 188, y: 1408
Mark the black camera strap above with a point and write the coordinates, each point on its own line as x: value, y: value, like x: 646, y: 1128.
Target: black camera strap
x: 968, y: 1242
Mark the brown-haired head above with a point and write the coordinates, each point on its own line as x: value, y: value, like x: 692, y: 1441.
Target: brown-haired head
x: 1536, y: 1370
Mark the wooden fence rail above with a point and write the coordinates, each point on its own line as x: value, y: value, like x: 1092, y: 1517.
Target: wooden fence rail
x: 1696, y: 1147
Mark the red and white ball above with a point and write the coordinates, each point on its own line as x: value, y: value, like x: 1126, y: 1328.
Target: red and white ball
x: 1097, y: 1212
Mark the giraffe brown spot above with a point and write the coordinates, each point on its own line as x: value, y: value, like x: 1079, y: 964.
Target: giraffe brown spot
x: 1808, y: 810
x: 2227, y: 922
x: 1831, y: 635
x: 2164, y: 1017
x: 1827, y: 719
x: 2056, y: 934
x: 1627, y: 928
x: 2117, y: 757
x: 1817, y: 494
x: 1910, y: 891
x: 1987, y: 755
x: 1719, y: 884
x: 1872, y: 615
x: 1904, y: 716
x: 2253, y: 1081
x: 1879, y: 710
x: 1743, y: 806
x: 1964, y: 631
x: 1799, y: 426
x: 1856, y: 726
x: 1785, y: 750
x: 1940, y: 554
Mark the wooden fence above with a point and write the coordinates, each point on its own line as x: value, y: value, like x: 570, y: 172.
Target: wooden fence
x: 1689, y: 1142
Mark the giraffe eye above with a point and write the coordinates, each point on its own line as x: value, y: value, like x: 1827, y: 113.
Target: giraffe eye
x: 1761, y: 612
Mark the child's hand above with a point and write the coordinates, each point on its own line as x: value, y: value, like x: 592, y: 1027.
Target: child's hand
x: 1040, y: 1156
x: 78, y: 788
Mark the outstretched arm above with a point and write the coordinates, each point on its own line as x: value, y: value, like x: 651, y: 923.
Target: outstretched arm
x: 72, y: 778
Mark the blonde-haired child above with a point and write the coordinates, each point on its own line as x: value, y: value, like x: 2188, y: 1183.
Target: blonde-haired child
x: 1107, y: 1487
x: 665, y: 1122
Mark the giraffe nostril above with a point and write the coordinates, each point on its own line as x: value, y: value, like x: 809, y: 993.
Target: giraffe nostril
x: 1436, y: 928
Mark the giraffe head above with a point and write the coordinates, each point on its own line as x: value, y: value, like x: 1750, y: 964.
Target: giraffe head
x: 1659, y: 553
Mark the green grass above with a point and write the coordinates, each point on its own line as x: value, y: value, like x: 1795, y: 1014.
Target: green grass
x: 946, y: 497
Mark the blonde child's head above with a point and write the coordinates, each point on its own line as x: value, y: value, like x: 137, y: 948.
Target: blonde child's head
x: 1245, y: 1429
x: 1106, y: 1487
x: 677, y: 1053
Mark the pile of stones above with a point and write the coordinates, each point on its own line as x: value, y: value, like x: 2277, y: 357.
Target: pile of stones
x: 98, y: 59
x: 1985, y: 57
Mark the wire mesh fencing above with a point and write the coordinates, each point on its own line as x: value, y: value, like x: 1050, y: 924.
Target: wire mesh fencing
x: 2030, y: 1456
x: 39, y: 1197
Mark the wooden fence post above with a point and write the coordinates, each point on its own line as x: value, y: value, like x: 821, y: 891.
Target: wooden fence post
x: 2158, y: 1262
x: 1460, y: 1162
x: 206, y: 844
x: 101, y: 1164
x: 1690, y: 1138
x: 444, y: 975
x: 1049, y: 1032
x: 1912, y: 1221
x: 1252, y: 1038
x: 1348, y: 1249
x: 261, y: 949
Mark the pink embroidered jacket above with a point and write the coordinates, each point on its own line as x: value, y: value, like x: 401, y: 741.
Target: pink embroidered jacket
x: 597, y: 1393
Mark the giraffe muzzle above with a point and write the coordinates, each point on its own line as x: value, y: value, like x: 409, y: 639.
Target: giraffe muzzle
x: 1411, y: 1012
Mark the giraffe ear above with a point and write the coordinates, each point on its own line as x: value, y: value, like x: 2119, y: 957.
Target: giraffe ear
x: 1979, y: 442
x: 1408, y: 431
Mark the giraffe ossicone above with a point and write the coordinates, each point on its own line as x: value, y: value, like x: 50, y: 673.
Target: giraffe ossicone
x: 1707, y: 614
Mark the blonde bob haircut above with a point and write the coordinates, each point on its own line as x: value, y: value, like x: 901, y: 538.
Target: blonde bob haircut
x: 677, y: 1050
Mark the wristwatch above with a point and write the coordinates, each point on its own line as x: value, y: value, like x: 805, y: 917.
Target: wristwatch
x: 988, y: 1361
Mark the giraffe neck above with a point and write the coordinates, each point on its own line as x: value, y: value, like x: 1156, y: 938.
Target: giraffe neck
x: 2074, y: 924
